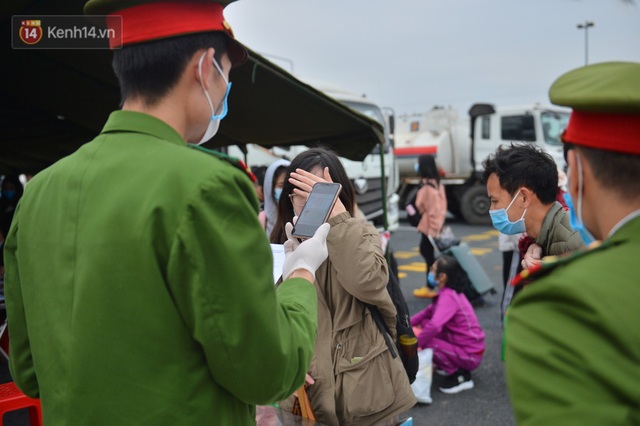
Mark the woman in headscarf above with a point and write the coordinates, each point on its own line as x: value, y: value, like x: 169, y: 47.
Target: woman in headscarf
x: 273, y: 182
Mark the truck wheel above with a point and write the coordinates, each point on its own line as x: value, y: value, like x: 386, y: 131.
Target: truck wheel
x: 474, y: 205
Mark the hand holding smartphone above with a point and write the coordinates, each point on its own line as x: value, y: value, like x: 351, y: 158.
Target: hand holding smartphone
x: 316, y: 210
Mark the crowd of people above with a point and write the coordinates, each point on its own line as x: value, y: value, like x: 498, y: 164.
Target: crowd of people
x: 159, y: 307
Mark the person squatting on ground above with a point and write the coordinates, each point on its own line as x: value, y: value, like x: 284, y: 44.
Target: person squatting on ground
x: 431, y: 202
x: 573, y: 341
x: 450, y: 327
x: 139, y: 283
x: 357, y: 381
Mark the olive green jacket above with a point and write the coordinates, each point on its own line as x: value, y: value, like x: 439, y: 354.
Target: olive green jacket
x: 573, y: 340
x: 556, y: 235
x: 140, y: 290
x: 357, y: 381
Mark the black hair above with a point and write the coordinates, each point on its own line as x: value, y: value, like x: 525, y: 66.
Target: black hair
x: 615, y: 170
x: 259, y: 172
x: 150, y: 70
x: 15, y: 180
x: 524, y: 165
x: 279, y: 171
x: 309, y: 160
x: 457, y: 278
x: 427, y: 167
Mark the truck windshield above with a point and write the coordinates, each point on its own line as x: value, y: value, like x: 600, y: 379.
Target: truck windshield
x: 553, y: 124
x: 373, y: 112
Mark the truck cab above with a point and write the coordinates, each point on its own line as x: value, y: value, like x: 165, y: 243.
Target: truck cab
x: 540, y: 125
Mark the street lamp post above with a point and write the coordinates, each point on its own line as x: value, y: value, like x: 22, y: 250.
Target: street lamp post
x: 585, y: 27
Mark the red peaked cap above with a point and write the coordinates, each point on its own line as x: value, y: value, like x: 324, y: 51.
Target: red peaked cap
x: 158, y: 20
x: 605, y: 98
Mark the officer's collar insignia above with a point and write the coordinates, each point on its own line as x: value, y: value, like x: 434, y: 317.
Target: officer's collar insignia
x: 549, y: 263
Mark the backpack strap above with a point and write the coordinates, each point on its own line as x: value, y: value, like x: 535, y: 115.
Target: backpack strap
x: 377, y: 317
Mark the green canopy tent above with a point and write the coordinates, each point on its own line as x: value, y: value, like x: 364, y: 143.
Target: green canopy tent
x: 53, y: 101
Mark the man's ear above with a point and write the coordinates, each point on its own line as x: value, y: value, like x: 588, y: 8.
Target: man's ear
x: 527, y: 197
x: 202, y: 65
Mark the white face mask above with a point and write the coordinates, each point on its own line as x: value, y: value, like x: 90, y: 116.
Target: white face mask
x: 214, y: 122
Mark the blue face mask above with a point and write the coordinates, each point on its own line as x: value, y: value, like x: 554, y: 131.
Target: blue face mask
x: 431, y: 280
x: 575, y: 216
x: 8, y: 194
x: 214, y: 121
x: 277, y: 192
x: 416, y: 167
x: 501, y: 222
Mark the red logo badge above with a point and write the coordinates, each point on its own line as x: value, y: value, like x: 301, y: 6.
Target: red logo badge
x: 30, y: 31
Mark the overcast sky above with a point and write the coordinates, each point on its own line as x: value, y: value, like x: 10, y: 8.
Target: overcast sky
x: 413, y: 54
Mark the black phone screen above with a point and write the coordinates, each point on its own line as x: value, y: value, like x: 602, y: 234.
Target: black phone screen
x: 317, y: 208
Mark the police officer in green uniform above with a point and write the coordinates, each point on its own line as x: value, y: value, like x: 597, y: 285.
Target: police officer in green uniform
x: 573, y: 337
x: 139, y: 282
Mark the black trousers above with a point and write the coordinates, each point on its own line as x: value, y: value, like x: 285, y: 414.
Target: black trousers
x: 426, y: 250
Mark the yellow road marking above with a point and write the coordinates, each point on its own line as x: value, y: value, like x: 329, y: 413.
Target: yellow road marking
x: 480, y: 251
x: 414, y: 267
x: 405, y: 254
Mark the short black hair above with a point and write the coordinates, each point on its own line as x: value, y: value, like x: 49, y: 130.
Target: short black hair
x: 149, y: 70
x: 617, y: 171
x: 524, y: 165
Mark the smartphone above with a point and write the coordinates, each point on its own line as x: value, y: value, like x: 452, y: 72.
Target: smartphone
x: 316, y: 210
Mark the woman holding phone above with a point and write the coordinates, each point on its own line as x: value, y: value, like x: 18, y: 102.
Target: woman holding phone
x: 356, y: 379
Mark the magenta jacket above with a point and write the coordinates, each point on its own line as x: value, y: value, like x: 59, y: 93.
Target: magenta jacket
x: 450, y: 317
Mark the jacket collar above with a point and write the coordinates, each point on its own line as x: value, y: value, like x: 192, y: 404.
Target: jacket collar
x: 629, y: 226
x: 549, y: 222
x: 139, y: 122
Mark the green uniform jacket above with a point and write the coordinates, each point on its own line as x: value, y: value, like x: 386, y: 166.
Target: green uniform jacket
x: 573, y: 340
x: 140, y: 290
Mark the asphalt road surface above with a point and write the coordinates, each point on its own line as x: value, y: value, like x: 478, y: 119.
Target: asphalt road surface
x: 487, y: 403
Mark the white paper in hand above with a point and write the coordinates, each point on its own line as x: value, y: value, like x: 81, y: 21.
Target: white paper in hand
x: 278, y: 261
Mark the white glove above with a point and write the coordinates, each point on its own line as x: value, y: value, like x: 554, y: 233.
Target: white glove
x: 307, y: 255
x: 532, y: 256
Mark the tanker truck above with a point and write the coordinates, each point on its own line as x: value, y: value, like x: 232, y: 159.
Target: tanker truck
x: 460, y: 144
